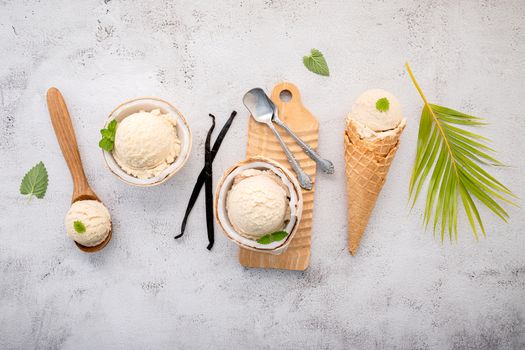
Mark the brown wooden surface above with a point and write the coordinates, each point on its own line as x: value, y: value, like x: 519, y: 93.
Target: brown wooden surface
x: 68, y: 144
x: 261, y: 141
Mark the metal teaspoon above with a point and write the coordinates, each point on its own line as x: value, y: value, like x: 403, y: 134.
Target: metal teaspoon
x: 324, y: 164
x: 258, y: 103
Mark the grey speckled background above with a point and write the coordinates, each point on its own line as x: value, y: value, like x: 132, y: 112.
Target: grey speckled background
x: 403, y: 290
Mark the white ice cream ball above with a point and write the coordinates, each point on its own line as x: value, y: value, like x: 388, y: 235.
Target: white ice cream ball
x: 95, y: 219
x: 144, y: 141
x: 256, y: 206
x: 373, y: 111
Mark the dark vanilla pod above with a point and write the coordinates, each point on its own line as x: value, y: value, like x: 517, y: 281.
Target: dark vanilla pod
x: 202, y: 177
x: 208, y: 183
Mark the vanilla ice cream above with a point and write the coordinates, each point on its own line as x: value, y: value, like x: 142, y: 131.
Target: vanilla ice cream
x: 258, y: 203
x: 377, y: 111
x: 146, y: 143
x: 88, y: 222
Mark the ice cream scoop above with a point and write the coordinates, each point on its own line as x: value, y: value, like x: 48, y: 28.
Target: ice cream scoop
x: 68, y: 144
x: 281, y: 176
x: 377, y: 110
x: 146, y: 143
x: 257, y: 204
x: 183, y: 133
x: 88, y: 222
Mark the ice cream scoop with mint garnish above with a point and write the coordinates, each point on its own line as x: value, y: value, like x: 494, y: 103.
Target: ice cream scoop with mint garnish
x: 376, y: 110
x: 88, y: 222
x: 146, y: 143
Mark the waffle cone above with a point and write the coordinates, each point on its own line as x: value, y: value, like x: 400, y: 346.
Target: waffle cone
x: 367, y: 163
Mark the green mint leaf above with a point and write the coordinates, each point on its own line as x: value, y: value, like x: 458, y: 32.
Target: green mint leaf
x: 35, y: 181
x: 108, y: 136
x: 273, y: 237
x: 112, y: 126
x: 316, y: 63
x: 279, y: 236
x: 106, y: 144
x: 266, y: 239
x: 79, y: 226
x: 383, y: 104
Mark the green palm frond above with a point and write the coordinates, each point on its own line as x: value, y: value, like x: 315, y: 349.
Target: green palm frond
x: 451, y: 159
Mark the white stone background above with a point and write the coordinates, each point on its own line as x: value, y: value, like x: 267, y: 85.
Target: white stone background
x: 404, y: 289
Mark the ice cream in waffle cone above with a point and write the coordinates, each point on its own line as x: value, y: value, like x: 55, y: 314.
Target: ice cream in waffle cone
x: 372, y: 133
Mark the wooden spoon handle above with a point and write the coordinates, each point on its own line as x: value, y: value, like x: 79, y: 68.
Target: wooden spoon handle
x: 68, y: 141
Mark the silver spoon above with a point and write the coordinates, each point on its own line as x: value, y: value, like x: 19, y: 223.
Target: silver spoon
x: 261, y: 110
x: 324, y: 164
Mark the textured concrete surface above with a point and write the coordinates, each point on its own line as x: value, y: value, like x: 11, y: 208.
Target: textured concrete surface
x: 403, y: 290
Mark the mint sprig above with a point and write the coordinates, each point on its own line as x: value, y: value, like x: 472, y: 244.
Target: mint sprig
x: 316, y: 63
x: 79, y: 226
x: 35, y: 182
x: 108, y: 136
x: 273, y: 237
x: 383, y: 104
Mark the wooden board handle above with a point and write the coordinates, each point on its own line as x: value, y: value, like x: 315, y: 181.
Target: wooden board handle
x: 295, y: 95
x: 68, y: 143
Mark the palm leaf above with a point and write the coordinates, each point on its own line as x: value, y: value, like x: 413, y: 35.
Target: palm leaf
x: 449, y: 160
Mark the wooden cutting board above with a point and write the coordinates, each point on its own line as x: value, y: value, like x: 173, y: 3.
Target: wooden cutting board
x: 261, y: 141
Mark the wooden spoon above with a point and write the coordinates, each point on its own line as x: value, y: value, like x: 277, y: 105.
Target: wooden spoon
x: 68, y: 144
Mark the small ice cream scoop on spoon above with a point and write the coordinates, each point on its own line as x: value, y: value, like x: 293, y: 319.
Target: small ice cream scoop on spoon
x: 88, y: 221
x: 262, y: 111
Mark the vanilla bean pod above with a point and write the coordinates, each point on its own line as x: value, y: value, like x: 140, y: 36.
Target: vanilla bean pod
x: 202, y: 176
x: 208, y: 183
